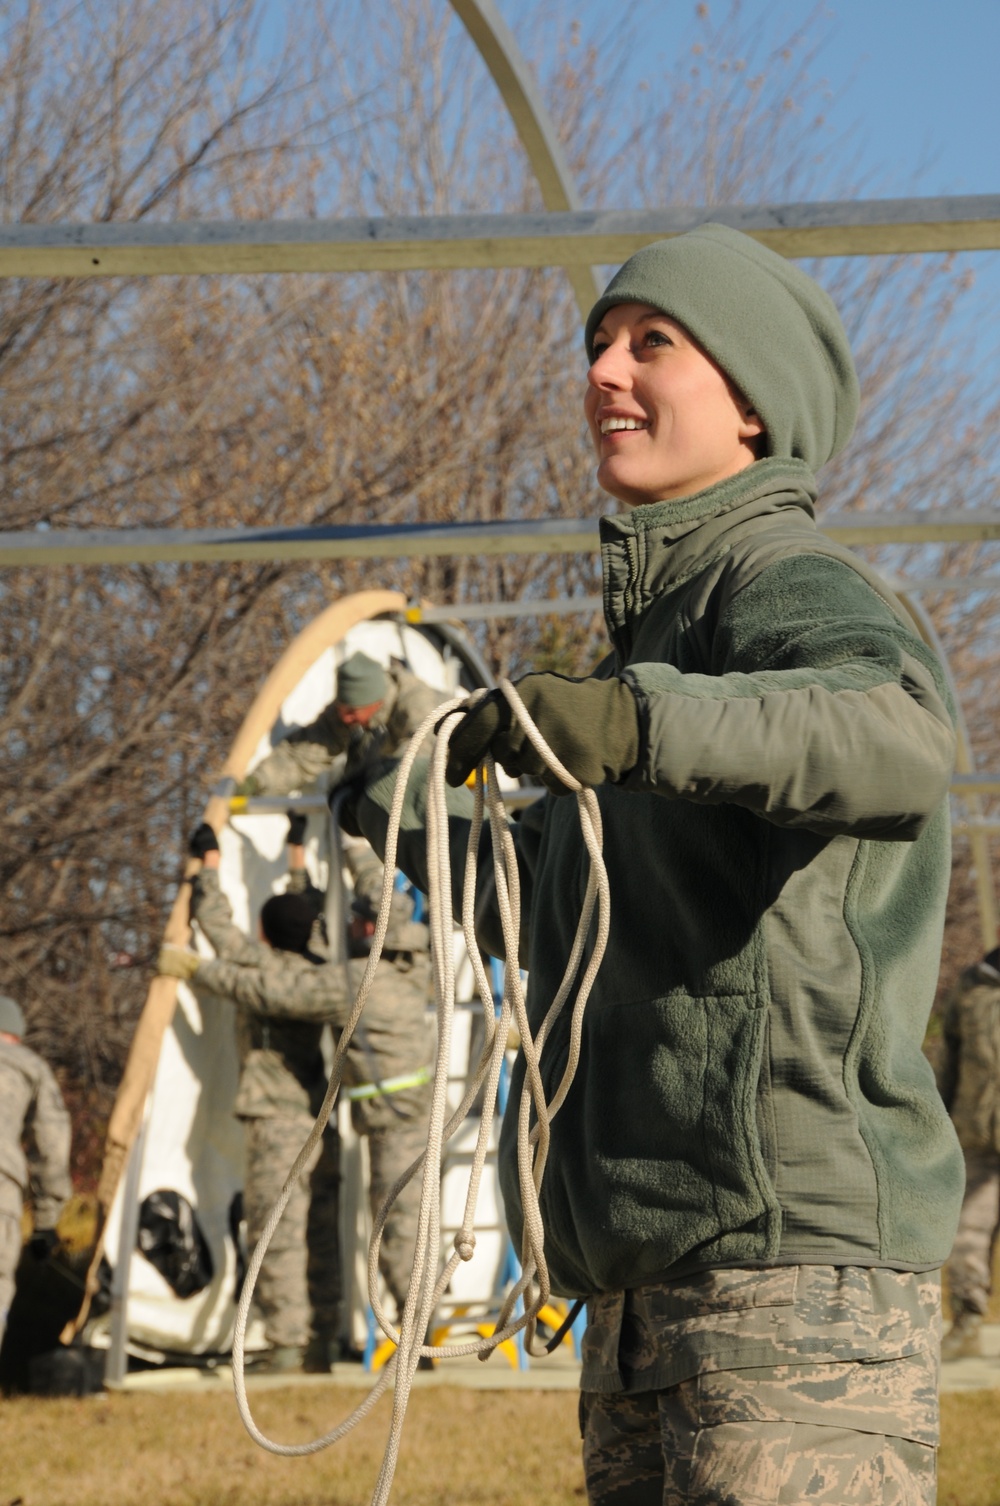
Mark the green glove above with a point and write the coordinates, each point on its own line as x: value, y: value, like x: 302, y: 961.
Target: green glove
x: 176, y: 962
x: 592, y: 726
x: 247, y: 787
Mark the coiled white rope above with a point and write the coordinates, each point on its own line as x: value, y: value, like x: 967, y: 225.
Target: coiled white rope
x: 428, y: 1284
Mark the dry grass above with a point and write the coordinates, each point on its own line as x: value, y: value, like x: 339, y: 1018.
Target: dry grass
x: 969, y: 1463
x: 460, y: 1448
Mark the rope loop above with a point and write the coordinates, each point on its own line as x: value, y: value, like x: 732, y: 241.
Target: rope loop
x: 428, y: 1283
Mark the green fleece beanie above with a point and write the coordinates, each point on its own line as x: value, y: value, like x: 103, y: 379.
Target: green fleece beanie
x: 773, y: 330
x: 361, y: 681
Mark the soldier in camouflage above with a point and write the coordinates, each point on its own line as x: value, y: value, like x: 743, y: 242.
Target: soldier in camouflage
x: 287, y: 989
x: 376, y: 712
x: 388, y: 1076
x: 969, y: 1080
x: 34, y: 1150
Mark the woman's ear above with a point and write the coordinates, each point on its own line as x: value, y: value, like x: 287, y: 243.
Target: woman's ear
x: 752, y: 425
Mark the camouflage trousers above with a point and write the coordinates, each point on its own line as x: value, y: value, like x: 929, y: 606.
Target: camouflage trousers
x: 10, y: 1245
x: 757, y: 1387
x: 298, y: 1289
x: 390, y: 1152
x: 724, y: 1438
x: 970, y: 1265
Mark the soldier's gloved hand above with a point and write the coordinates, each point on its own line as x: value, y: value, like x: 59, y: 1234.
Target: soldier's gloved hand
x: 177, y: 962
x: 42, y: 1243
x: 297, y: 823
x: 592, y: 726
x: 363, y: 749
x: 203, y: 840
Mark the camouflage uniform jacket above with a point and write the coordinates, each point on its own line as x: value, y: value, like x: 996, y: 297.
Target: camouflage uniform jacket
x: 308, y: 752
x: 970, y: 1073
x: 32, y: 1111
x: 752, y: 1089
x: 284, y: 1000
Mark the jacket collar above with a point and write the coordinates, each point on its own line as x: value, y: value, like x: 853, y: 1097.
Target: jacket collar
x: 656, y: 548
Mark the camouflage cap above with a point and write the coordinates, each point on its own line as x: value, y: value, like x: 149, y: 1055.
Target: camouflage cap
x: 11, y: 1017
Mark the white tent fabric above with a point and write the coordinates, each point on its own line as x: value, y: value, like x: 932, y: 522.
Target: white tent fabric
x: 192, y: 1144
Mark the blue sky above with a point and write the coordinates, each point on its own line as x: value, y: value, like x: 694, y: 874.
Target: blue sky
x: 914, y: 86
x: 917, y: 78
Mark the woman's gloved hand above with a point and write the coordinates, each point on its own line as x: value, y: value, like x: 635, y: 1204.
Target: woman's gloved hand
x: 592, y: 726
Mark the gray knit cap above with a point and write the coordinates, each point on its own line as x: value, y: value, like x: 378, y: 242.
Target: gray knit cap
x: 361, y: 681
x: 11, y: 1018
x: 773, y: 330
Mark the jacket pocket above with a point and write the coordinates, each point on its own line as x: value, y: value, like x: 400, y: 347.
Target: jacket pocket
x: 656, y: 1163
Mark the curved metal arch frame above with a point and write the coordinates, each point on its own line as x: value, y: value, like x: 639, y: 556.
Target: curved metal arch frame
x: 499, y: 51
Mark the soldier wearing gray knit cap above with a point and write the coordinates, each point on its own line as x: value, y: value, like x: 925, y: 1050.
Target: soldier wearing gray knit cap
x: 375, y: 712
x: 34, y: 1149
x: 361, y: 682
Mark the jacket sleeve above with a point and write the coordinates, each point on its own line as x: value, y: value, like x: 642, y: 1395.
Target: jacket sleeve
x: 299, y: 882
x: 47, y: 1142
x: 825, y: 711
x: 283, y: 986
x: 305, y: 754
x: 373, y: 818
x: 414, y: 701
x: 211, y: 909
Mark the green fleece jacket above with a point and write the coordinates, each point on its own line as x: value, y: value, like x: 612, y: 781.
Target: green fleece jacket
x: 751, y: 1087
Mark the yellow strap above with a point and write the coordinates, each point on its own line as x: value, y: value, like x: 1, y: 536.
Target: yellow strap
x: 388, y: 1085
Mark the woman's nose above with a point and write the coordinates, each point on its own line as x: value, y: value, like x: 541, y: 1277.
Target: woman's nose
x: 610, y: 369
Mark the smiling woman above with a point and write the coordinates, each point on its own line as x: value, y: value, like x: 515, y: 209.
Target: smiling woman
x: 752, y: 1178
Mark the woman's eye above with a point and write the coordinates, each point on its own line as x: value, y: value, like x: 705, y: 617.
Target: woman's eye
x: 657, y: 337
x: 599, y: 347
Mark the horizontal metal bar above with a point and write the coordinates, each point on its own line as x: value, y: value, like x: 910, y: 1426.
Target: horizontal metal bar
x: 912, y: 528
x: 975, y: 784
x: 935, y: 585
x: 491, y: 611
x: 277, y: 805
x: 859, y: 227
x: 362, y: 541
x: 523, y: 795
x: 122, y: 546
x: 584, y: 606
